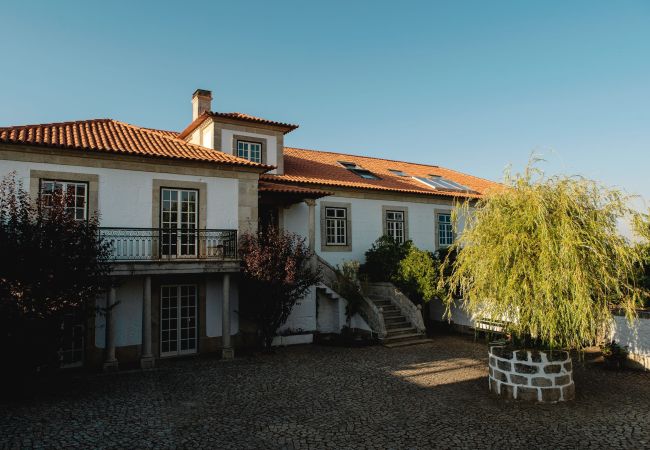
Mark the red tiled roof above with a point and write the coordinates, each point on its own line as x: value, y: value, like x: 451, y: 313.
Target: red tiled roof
x: 321, y: 168
x: 248, y: 117
x: 282, y: 188
x: 107, y: 135
x: 236, y: 116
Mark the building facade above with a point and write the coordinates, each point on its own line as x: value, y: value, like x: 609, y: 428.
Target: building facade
x: 172, y: 205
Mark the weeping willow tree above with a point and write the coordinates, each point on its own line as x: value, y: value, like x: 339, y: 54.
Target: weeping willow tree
x: 642, y: 229
x: 544, y: 255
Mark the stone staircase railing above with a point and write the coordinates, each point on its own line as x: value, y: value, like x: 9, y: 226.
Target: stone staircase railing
x: 369, y: 311
x: 410, y: 310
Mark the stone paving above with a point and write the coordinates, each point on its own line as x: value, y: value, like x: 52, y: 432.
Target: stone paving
x: 431, y: 395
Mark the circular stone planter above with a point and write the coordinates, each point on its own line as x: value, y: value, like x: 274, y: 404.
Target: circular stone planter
x: 531, y: 375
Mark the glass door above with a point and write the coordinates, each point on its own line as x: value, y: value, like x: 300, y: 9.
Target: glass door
x: 178, y: 320
x: 178, y: 220
x: 72, y: 344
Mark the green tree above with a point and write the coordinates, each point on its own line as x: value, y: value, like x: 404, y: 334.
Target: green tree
x: 417, y: 275
x: 545, y: 255
x: 349, y: 287
x: 642, y: 228
x: 383, y: 257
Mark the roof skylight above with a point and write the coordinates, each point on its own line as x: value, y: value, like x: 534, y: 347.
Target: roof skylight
x: 399, y: 173
x: 438, y: 182
x: 358, y: 170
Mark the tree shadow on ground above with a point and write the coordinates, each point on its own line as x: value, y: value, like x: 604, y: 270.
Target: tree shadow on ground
x: 431, y: 395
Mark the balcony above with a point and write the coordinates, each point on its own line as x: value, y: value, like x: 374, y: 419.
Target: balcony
x: 166, y: 245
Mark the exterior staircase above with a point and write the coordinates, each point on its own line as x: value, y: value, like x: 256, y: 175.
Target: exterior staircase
x: 400, y: 332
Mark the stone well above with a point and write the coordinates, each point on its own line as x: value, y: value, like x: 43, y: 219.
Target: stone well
x: 531, y: 375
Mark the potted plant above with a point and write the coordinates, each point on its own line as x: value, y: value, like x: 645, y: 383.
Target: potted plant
x: 543, y: 256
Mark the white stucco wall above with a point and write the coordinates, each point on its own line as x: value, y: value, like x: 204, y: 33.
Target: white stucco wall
x: 125, y: 195
x: 213, y: 305
x: 458, y: 315
x: 637, y: 337
x: 367, y: 224
x: 328, y: 314
x: 128, y: 314
x: 228, y: 146
x: 303, y: 315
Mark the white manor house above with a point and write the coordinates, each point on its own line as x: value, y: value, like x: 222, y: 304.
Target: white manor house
x: 173, y: 204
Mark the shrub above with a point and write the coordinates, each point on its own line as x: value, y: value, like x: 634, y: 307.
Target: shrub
x: 348, y: 286
x: 52, y: 267
x: 383, y: 257
x: 277, y: 272
x: 614, y: 350
x: 545, y: 255
x: 417, y: 275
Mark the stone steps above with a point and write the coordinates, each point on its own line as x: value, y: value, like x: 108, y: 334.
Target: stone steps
x: 402, y: 337
x: 396, y: 322
x: 391, y: 334
x: 407, y: 343
x: 399, y: 331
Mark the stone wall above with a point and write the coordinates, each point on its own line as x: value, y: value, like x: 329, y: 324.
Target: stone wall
x: 531, y: 375
x: 410, y: 310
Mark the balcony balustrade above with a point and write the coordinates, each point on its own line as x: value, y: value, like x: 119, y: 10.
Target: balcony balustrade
x: 166, y: 244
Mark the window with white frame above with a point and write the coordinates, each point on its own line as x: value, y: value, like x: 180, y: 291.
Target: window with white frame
x: 74, y: 195
x: 251, y: 151
x: 395, y: 225
x: 336, y: 223
x: 179, y: 219
x: 445, y: 230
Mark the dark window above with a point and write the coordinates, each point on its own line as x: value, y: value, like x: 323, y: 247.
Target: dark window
x: 336, y: 224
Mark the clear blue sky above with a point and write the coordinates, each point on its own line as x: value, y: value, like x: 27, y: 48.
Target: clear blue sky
x: 468, y: 85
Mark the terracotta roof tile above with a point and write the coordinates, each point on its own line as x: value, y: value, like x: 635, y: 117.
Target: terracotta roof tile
x: 236, y: 116
x: 302, y: 166
x: 248, y: 117
x: 283, y: 188
x: 107, y: 135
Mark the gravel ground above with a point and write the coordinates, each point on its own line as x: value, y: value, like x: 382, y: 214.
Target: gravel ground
x: 431, y: 395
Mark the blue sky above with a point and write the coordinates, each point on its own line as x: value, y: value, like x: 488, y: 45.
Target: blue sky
x: 469, y: 85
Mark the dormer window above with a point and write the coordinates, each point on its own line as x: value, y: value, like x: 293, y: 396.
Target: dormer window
x: 251, y: 151
x: 358, y: 170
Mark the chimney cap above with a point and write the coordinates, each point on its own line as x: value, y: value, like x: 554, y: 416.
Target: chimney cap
x: 202, y: 93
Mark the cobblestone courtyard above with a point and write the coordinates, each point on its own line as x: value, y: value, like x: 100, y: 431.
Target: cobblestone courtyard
x: 432, y: 395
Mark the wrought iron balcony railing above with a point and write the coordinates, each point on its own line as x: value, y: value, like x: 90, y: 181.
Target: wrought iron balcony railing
x: 148, y: 244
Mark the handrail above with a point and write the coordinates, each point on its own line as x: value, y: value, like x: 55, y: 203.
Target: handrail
x: 410, y: 310
x: 146, y: 244
x: 369, y: 311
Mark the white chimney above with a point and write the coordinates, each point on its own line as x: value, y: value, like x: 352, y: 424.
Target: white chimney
x: 201, y: 102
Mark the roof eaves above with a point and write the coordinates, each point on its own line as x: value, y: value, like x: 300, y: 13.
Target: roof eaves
x: 194, y: 125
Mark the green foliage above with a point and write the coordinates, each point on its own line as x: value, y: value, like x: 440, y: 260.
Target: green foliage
x: 614, y: 350
x: 417, y: 275
x: 545, y: 255
x: 415, y: 272
x: 348, y: 286
x: 642, y: 228
x: 382, y: 259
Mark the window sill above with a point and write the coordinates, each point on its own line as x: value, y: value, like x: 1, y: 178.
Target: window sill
x: 336, y: 248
